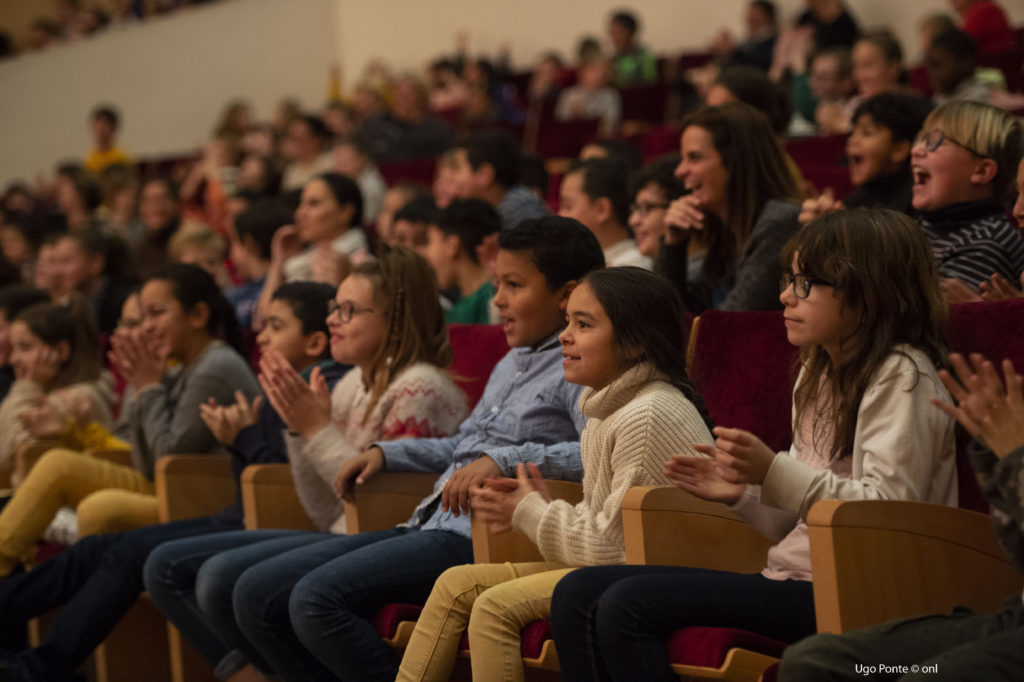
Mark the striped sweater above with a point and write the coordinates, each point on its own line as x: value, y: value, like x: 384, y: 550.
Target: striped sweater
x: 972, y: 240
x: 420, y: 402
x: 633, y: 426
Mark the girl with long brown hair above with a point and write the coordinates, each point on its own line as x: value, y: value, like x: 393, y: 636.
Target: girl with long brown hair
x: 386, y: 322
x: 863, y: 305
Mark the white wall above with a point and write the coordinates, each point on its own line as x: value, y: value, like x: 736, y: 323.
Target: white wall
x: 170, y: 77
x: 409, y: 32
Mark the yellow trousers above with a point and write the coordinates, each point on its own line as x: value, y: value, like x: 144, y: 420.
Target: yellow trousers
x: 108, y: 497
x: 495, y: 602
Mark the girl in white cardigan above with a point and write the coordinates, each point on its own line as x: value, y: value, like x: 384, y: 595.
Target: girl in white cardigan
x: 624, y: 341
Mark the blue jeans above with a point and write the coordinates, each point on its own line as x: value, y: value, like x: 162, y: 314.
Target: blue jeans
x: 612, y: 622
x: 96, y: 580
x: 196, y: 598
x: 327, y: 590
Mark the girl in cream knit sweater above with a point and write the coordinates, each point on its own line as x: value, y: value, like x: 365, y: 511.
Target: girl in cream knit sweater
x: 625, y: 343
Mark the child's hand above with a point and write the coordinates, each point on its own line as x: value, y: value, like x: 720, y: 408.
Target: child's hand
x: 683, y: 214
x: 993, y: 416
x: 956, y: 291
x: 141, y: 365
x: 812, y: 209
x: 998, y: 289
x: 495, y: 503
x: 357, y: 471
x: 44, y: 420
x: 455, y: 496
x: 43, y: 366
x: 304, y: 408
x: 740, y: 456
x: 225, y: 422
x: 699, y: 476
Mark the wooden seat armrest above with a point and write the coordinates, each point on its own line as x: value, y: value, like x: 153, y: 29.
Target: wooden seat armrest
x: 387, y: 499
x: 188, y: 486
x: 877, y: 560
x: 495, y: 548
x: 668, y: 526
x: 269, y: 498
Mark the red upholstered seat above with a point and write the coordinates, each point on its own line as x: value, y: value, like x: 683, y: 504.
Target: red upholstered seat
x: 644, y: 102
x: 531, y: 639
x: 707, y: 647
x: 826, y: 150
x: 771, y: 674
x: 744, y: 369
x: 387, y: 618
x: 565, y: 139
x: 414, y: 170
x: 477, y: 349
x: 995, y: 330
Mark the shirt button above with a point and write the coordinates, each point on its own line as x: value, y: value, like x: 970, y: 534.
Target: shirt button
x: 494, y: 410
x: 519, y: 374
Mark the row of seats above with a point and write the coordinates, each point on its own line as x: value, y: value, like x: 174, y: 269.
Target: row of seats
x: 872, y: 560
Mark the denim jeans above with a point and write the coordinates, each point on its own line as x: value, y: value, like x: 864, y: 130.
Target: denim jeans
x: 328, y: 589
x: 96, y: 580
x: 201, y: 608
x: 611, y: 622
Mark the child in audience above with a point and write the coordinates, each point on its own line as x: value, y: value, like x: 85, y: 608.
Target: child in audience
x: 55, y: 355
x: 352, y: 159
x: 632, y: 64
x: 411, y: 222
x: 91, y: 264
x: 594, y: 193
x: 160, y: 214
x: 863, y: 304
x: 877, y: 68
x: 250, y: 253
x: 394, y: 199
x: 13, y: 300
x: 827, y: 79
x: 487, y: 167
x: 722, y: 246
x: 963, y: 163
x: 325, y: 230
x: 199, y: 245
x: 183, y: 313
x: 98, y: 579
x: 592, y: 97
x: 964, y: 645
x: 445, y: 187
x: 103, y: 124
x: 951, y: 60
x: 452, y: 249
x: 624, y: 342
x: 385, y: 321
x: 526, y: 413
x: 878, y: 150
x: 654, y: 187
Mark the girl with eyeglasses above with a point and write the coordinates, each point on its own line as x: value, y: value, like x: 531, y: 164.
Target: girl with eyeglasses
x: 386, y: 321
x: 963, y: 163
x: 862, y: 302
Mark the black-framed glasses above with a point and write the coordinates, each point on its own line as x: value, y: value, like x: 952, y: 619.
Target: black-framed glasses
x: 801, y: 284
x: 934, y: 138
x: 345, y: 310
x: 645, y: 207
